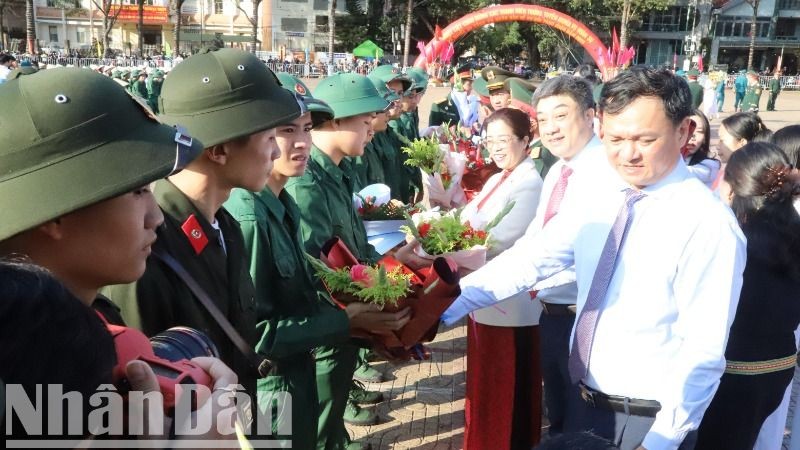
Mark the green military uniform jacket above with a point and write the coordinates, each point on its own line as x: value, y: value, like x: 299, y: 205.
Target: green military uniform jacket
x: 774, y: 86
x: 697, y: 94
x: 444, y: 111
x: 139, y: 89
x: 410, y: 177
x: 752, y: 97
x: 294, y: 316
x: 161, y: 300
x: 153, y: 93
x: 324, y: 195
x: 381, y: 163
x: 542, y: 158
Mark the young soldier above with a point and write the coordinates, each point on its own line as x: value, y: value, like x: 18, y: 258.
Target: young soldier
x: 230, y: 101
x: 774, y: 90
x: 324, y: 196
x: 294, y: 314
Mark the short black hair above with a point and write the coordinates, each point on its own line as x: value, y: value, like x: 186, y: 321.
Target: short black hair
x: 587, y: 72
x: 519, y: 121
x: 637, y: 82
x: 6, y: 58
x: 578, y: 89
x: 48, y: 337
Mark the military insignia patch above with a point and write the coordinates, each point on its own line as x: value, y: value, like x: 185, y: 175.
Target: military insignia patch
x: 490, y: 75
x: 300, y: 89
x: 192, y: 229
x: 395, y: 70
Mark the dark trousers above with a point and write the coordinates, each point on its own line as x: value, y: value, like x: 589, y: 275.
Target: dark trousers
x: 626, y: 431
x: 738, y: 101
x: 555, y: 332
x: 771, y: 103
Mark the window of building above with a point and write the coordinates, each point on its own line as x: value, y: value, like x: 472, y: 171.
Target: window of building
x: 219, y: 6
x: 321, y: 5
x: 81, y: 35
x: 53, y: 32
x: 292, y: 24
x: 321, y: 23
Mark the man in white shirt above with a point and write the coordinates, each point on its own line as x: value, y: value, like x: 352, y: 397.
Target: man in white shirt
x: 565, y: 113
x: 658, y: 261
x: 7, y: 64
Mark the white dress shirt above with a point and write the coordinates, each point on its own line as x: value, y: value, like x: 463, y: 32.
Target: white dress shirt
x: 706, y: 170
x: 585, y: 166
x: 523, y: 187
x: 664, y: 326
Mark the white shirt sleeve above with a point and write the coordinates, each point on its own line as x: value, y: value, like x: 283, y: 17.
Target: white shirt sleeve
x: 706, y: 287
x: 706, y: 170
x: 531, y: 259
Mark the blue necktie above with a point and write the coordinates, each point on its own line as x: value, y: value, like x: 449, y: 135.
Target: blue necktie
x: 587, y: 320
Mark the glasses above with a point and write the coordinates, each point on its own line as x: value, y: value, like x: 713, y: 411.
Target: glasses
x: 498, y: 140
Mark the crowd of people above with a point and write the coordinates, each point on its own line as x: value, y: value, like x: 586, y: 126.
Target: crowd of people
x: 639, y: 283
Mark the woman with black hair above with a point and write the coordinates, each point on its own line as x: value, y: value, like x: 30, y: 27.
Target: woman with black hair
x: 734, y: 132
x: 760, y: 187
x: 696, y: 151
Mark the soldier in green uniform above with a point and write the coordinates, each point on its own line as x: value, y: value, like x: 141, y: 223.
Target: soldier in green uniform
x: 774, y: 90
x: 443, y: 111
x: 694, y: 88
x: 154, y: 89
x: 324, y: 197
x: 752, y: 96
x: 67, y: 124
x: 232, y: 103
x: 295, y: 315
x: 495, y: 77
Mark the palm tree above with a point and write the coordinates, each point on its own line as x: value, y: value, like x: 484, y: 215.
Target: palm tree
x: 331, y: 29
x: 176, y: 30
x: 753, y: 23
x: 30, y: 27
x: 409, y: 19
x: 140, y: 27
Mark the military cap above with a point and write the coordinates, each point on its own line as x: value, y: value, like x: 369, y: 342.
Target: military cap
x: 752, y: 73
x: 320, y: 111
x: 135, y: 73
x: 419, y: 79
x: 479, y: 86
x: 387, y: 73
x: 465, y: 72
x: 350, y: 94
x: 72, y: 138
x: 220, y: 95
x: 521, y: 93
x: 158, y: 74
x: 496, y: 76
x: 693, y: 73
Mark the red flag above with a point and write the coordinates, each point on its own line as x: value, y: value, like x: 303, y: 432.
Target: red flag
x: 615, y: 46
x: 700, y: 64
x: 192, y: 229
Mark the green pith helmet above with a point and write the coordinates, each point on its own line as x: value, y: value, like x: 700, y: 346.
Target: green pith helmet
x: 479, y: 86
x: 221, y: 95
x: 419, y: 79
x: 72, y: 138
x: 387, y: 73
x: 384, y: 90
x: 496, y: 76
x: 116, y: 74
x: 135, y: 74
x: 350, y: 94
x: 521, y: 94
x: 320, y: 111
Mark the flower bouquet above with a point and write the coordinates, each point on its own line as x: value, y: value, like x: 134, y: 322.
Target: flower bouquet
x: 479, y: 167
x: 382, y: 216
x: 428, y: 293
x: 446, y: 235
x: 441, y: 172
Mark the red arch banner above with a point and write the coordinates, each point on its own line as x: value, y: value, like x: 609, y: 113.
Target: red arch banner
x: 524, y: 13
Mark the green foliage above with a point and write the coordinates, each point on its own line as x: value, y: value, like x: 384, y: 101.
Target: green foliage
x: 373, y: 285
x: 425, y: 154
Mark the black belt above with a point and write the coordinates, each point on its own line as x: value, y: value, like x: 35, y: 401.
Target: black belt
x: 556, y: 309
x: 616, y: 403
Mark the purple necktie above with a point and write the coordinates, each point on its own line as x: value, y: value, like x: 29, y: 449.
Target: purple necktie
x: 557, y: 195
x: 587, y: 320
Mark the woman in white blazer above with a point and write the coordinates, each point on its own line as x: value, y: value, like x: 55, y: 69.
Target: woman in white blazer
x: 503, y: 404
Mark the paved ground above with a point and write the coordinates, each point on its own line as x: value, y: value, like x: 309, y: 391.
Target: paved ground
x: 425, y: 407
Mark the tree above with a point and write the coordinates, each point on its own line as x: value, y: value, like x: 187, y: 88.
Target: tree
x: 7, y: 5
x: 110, y: 10
x: 30, y: 28
x: 253, y: 19
x: 629, y: 11
x: 331, y: 28
x: 175, y: 6
x: 753, y: 23
x: 140, y: 27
